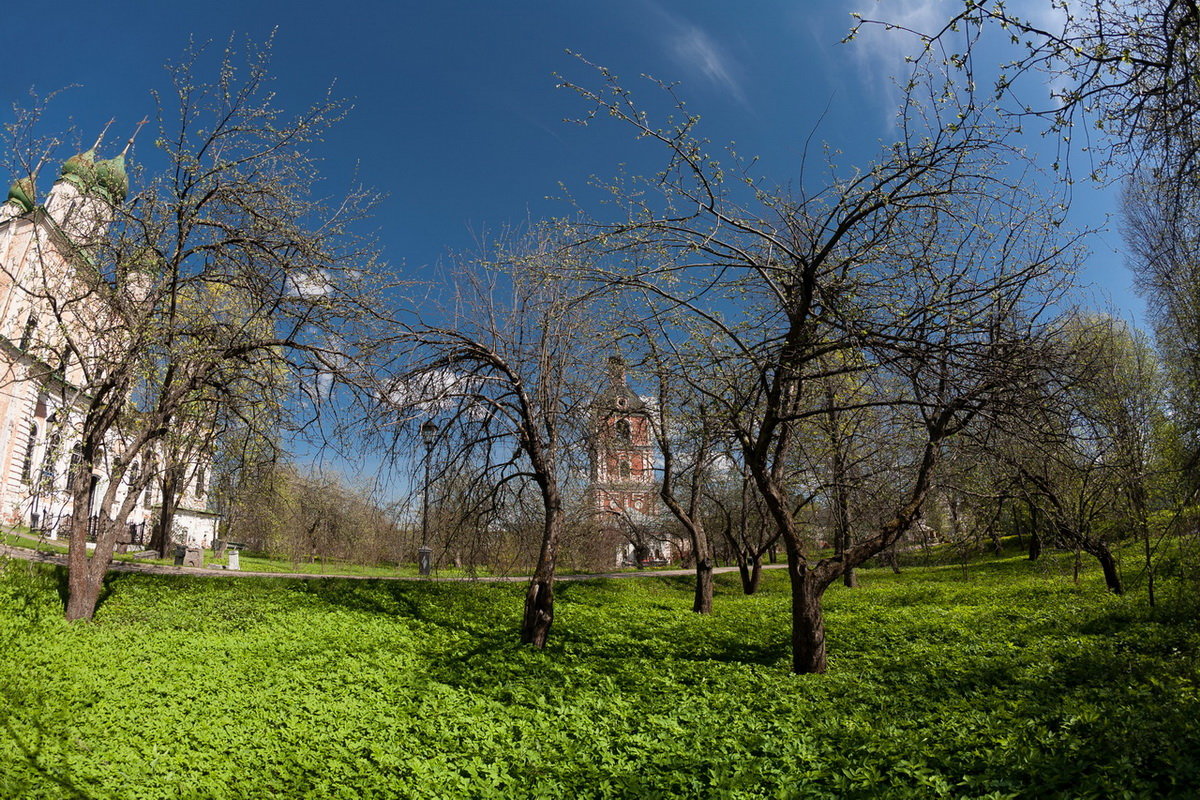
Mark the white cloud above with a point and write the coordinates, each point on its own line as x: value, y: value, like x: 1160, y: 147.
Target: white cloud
x: 309, y: 283
x: 880, y: 51
x: 435, y: 392
x: 697, y: 51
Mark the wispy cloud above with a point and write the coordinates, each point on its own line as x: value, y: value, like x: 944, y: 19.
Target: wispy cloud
x: 699, y: 53
x: 880, y: 51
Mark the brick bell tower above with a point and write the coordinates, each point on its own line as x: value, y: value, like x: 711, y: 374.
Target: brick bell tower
x: 622, y: 476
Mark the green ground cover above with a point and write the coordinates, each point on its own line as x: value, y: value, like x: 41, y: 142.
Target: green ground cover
x: 1012, y: 682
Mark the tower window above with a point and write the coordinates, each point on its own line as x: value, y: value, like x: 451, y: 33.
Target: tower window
x: 624, y: 469
x: 624, y: 431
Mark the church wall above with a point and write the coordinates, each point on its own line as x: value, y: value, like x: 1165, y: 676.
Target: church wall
x: 40, y: 262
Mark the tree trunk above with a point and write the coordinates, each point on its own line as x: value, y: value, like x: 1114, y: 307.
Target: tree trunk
x: 539, y: 599
x: 808, y: 621
x: 539, y: 612
x: 703, y: 600
x: 160, y: 539
x: 1112, y: 578
x: 83, y: 584
x: 1149, y: 553
x: 850, y: 578
x: 890, y: 557
x: 1035, y: 538
x: 85, y: 576
x: 841, y: 508
x: 83, y: 587
x: 750, y: 574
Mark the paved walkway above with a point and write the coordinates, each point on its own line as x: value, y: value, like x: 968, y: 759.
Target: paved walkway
x: 160, y: 569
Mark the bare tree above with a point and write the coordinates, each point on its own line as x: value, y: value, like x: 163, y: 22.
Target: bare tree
x: 688, y: 440
x: 735, y: 510
x: 1082, y: 456
x: 928, y: 263
x: 509, y: 371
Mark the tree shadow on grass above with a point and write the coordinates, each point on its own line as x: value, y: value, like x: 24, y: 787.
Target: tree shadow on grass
x: 30, y: 751
x: 1079, y: 721
x: 62, y: 585
x: 447, y: 605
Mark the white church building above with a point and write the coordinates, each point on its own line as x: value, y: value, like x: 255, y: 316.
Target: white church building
x: 52, y: 299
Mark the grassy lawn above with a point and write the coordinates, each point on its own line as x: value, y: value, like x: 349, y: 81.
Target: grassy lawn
x: 44, y: 545
x: 258, y: 563
x: 1010, y: 682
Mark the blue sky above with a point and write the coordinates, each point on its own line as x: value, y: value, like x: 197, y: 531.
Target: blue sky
x: 457, y: 116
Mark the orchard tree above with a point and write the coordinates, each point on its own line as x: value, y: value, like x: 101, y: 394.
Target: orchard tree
x: 1083, y: 452
x: 931, y: 267
x: 689, y: 440
x: 1115, y: 81
x: 508, y: 370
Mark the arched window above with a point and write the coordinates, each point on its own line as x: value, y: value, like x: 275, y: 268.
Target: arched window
x: 200, y: 484
x: 624, y: 432
x: 27, y: 334
x: 27, y: 464
x: 624, y: 470
x: 50, y: 458
x: 76, y: 458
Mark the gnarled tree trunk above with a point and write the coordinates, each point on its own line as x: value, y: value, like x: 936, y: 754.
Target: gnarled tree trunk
x: 539, y: 598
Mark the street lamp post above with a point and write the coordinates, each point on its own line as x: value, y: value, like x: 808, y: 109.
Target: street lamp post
x: 429, y: 432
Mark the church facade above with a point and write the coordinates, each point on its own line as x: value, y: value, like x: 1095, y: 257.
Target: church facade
x: 55, y: 312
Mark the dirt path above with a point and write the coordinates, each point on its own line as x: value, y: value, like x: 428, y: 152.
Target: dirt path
x: 160, y: 569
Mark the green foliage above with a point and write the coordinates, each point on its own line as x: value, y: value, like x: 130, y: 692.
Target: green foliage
x: 1008, y: 683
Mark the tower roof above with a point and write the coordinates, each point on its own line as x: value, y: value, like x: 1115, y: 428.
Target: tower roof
x: 106, y: 178
x: 617, y: 396
x: 112, y: 178
x: 22, y: 193
x: 80, y: 169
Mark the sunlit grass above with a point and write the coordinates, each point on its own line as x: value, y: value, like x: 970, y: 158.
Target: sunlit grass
x: 1003, y: 680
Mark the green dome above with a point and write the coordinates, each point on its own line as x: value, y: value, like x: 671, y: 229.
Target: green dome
x: 22, y: 193
x: 111, y: 177
x: 80, y: 169
x: 146, y: 261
